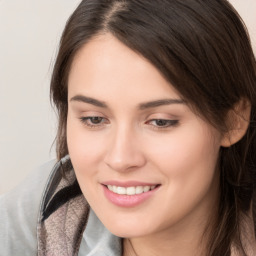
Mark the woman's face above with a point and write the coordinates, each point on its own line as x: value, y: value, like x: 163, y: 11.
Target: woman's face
x: 144, y: 161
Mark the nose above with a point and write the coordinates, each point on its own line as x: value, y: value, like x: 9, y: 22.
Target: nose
x: 125, y: 151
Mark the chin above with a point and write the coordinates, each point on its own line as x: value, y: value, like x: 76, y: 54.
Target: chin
x: 128, y: 228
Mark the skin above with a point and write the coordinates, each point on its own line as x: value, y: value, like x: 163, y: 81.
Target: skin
x: 128, y: 144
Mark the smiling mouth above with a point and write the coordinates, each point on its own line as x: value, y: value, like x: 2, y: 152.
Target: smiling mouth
x: 130, y: 191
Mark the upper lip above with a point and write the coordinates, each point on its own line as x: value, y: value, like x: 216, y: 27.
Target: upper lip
x: 127, y: 183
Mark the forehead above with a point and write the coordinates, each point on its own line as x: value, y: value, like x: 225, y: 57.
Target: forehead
x: 105, y: 64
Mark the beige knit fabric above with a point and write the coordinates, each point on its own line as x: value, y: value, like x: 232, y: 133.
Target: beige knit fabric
x: 61, y: 233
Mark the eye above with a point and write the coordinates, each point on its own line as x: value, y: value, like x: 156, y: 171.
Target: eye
x: 94, y: 121
x: 162, y: 123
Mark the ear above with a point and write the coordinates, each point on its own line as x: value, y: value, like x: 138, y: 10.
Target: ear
x: 238, y: 120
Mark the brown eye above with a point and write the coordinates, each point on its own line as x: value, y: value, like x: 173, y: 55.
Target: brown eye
x: 95, y: 119
x: 162, y: 123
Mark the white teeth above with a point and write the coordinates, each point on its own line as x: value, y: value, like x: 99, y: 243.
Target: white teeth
x: 130, y: 190
x: 115, y: 189
x: 121, y: 190
x: 146, y: 189
x: 139, y: 190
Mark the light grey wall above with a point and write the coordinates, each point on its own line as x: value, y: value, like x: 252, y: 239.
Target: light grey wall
x: 247, y: 10
x: 29, y: 35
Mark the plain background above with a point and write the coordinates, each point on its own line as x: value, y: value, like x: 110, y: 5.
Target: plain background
x: 29, y: 35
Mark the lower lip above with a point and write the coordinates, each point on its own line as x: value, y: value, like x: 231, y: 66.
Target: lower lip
x: 127, y: 200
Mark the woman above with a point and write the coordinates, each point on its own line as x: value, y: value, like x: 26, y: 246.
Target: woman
x: 156, y: 138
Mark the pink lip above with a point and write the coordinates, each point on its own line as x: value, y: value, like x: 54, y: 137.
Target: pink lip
x: 128, y: 200
x: 127, y: 183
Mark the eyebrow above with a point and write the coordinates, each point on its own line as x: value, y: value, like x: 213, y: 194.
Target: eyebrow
x: 89, y: 100
x: 158, y: 103
x: 142, y: 106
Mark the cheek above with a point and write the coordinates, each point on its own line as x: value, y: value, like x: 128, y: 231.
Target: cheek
x: 184, y: 151
x: 187, y: 162
x: 84, y: 149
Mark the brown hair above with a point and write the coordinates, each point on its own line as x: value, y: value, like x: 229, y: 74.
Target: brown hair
x: 202, y: 48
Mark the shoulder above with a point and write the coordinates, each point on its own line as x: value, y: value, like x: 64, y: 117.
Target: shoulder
x: 19, y: 213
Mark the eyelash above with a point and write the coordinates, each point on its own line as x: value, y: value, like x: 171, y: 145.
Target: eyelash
x: 86, y: 120
x: 166, y: 123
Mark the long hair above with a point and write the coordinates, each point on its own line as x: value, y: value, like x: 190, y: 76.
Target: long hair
x: 202, y: 48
